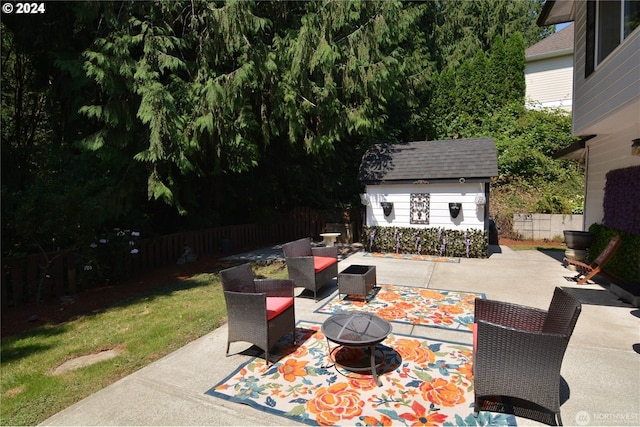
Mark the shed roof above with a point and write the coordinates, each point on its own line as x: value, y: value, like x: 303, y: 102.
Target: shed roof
x: 472, y: 159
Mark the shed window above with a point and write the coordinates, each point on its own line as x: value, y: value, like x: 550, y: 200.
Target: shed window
x: 419, y: 206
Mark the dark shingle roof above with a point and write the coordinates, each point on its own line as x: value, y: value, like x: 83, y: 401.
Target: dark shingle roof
x: 474, y: 159
x: 559, y: 42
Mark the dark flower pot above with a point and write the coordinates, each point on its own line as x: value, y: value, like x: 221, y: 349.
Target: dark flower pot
x: 386, y: 207
x: 578, y: 239
x: 454, y: 209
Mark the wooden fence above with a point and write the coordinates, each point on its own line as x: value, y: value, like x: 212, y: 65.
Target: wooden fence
x: 55, y: 273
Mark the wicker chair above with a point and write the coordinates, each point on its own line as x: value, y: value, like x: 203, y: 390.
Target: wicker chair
x: 518, y: 353
x: 310, y: 267
x: 259, y: 311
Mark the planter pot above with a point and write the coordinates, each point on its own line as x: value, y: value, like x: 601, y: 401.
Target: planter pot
x: 575, y: 254
x: 387, y: 207
x: 454, y: 209
x: 578, y: 239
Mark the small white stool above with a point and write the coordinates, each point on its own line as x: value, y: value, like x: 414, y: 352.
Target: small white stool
x: 329, y: 239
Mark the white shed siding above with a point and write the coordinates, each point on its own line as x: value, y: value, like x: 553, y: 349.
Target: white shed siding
x: 549, y: 82
x: 611, y: 93
x: 606, y: 153
x: 441, y: 195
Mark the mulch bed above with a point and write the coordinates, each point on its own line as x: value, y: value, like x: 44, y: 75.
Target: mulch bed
x: 512, y: 242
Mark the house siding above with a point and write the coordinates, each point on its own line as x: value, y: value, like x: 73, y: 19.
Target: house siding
x: 549, y: 83
x: 470, y: 217
x: 606, y: 104
x: 612, y: 91
x: 606, y: 153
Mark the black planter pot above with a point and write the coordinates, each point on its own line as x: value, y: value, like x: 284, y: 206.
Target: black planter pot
x: 387, y: 207
x: 454, y: 209
x: 578, y: 239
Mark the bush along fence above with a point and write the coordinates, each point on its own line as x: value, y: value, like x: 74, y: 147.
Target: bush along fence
x: 426, y: 241
x: 121, y: 254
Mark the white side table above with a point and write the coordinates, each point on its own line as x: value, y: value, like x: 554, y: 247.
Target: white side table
x: 329, y: 239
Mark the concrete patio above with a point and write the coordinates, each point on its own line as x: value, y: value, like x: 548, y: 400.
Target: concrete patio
x: 601, y: 366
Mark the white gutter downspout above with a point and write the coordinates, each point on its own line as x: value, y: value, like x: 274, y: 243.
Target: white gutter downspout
x: 586, y: 188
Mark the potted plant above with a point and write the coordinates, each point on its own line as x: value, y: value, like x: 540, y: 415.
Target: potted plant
x: 579, y: 240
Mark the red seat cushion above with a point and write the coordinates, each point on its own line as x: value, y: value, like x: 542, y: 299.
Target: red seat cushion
x: 322, y: 262
x: 276, y: 305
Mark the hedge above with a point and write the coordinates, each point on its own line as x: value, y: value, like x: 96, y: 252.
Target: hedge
x: 625, y: 263
x: 426, y: 241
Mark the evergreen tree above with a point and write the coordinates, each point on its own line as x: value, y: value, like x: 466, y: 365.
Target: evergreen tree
x: 193, y: 114
x: 468, y: 94
x: 464, y: 27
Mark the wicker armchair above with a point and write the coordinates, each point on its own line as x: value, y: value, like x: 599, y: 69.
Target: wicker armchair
x: 310, y: 267
x: 259, y: 311
x: 518, y: 353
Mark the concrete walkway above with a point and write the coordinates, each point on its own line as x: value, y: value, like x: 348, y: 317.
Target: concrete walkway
x: 601, y: 366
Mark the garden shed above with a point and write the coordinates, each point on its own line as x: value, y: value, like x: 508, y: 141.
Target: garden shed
x: 429, y: 184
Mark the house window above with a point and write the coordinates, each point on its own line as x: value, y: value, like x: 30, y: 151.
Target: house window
x: 419, y: 208
x: 609, y: 23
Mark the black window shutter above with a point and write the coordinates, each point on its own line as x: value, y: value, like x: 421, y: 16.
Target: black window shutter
x: 590, y: 39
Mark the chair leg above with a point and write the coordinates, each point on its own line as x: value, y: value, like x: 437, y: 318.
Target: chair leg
x: 588, y: 276
x: 228, y: 346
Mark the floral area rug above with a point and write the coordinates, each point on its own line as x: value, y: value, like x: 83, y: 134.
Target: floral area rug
x: 413, y: 257
x: 416, y: 306
x: 424, y: 382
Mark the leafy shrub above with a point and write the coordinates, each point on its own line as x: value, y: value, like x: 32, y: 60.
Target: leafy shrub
x: 624, y: 264
x: 105, y: 259
x: 552, y: 204
x: 426, y: 241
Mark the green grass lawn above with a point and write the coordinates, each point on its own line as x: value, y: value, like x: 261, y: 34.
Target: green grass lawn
x: 143, y: 329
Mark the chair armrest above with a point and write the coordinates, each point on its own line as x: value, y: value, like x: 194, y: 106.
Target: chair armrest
x: 325, y: 251
x: 578, y: 263
x: 506, y: 350
x: 246, y: 308
x: 510, y: 315
x: 275, y: 287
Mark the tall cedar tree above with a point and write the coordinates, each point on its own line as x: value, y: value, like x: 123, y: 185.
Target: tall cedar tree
x: 169, y: 115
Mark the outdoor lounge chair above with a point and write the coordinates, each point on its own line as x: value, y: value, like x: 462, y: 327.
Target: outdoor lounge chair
x: 590, y: 270
x: 259, y: 311
x: 518, y: 353
x: 310, y: 267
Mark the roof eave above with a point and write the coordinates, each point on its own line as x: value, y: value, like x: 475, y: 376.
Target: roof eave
x: 547, y: 55
x: 426, y: 181
x: 556, y: 12
x: 575, y: 151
